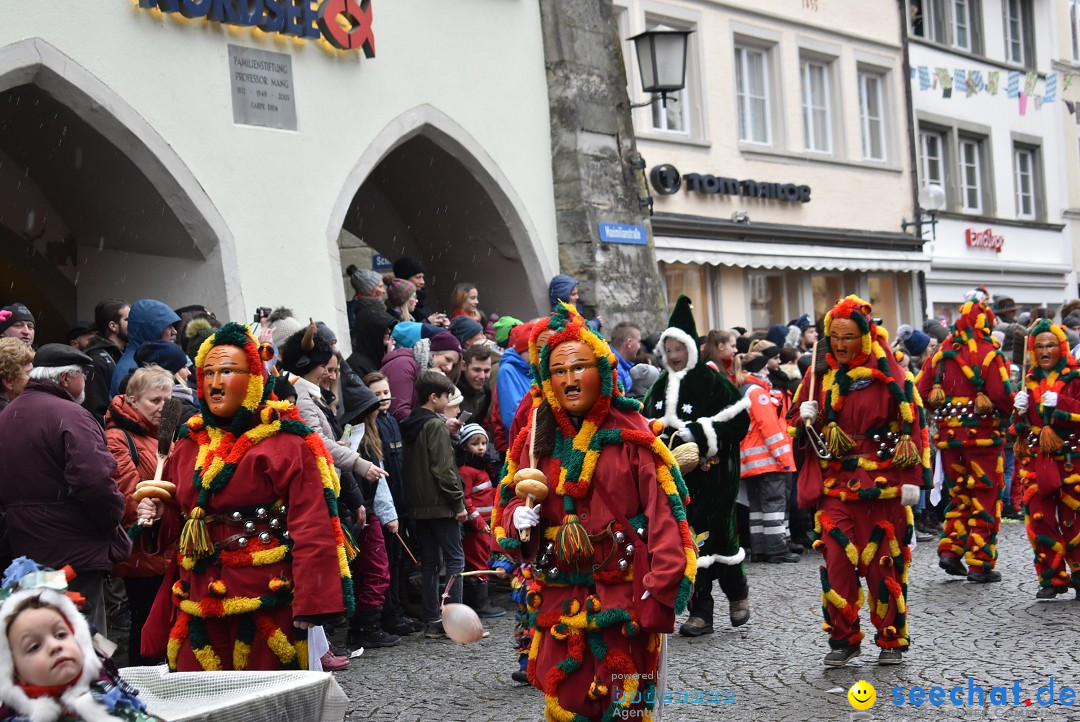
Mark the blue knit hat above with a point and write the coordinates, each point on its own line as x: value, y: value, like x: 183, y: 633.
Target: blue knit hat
x: 465, y: 328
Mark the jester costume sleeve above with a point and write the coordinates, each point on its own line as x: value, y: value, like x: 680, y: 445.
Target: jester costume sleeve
x: 590, y: 654
x: 260, y: 541
x: 1048, y: 450
x: 871, y: 425
x: 966, y: 384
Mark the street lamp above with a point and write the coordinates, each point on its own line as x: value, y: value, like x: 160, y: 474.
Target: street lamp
x: 661, y: 57
x: 931, y: 200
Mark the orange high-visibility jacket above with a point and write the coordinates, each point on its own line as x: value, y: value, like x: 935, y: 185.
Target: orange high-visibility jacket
x: 766, y: 446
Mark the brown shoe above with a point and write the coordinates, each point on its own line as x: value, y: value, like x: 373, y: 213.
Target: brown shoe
x: 739, y: 612
x: 695, y: 627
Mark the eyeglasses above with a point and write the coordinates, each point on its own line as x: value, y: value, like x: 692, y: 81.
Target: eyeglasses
x: 576, y: 370
x: 225, y: 374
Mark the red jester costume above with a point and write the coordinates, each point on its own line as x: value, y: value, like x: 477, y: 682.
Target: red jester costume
x: 1047, y: 425
x: 871, y: 458
x: 611, y: 550
x: 261, y: 552
x: 966, y: 383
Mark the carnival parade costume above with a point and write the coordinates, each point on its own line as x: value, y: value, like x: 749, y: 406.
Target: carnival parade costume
x: 872, y: 443
x: 260, y: 541
x: 966, y: 384
x: 709, y: 406
x: 596, y: 644
x: 1048, y: 450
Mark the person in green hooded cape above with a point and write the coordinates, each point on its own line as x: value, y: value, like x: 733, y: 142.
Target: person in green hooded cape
x: 695, y: 404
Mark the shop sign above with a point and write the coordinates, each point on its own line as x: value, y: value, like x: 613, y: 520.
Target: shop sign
x: 984, y: 239
x: 380, y: 262
x: 345, y: 24
x: 262, y: 88
x: 666, y: 180
x: 622, y: 233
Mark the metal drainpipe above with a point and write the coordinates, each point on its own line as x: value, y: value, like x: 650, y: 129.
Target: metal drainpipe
x: 912, y: 155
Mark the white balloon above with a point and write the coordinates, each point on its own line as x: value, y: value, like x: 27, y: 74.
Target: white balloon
x: 461, y: 623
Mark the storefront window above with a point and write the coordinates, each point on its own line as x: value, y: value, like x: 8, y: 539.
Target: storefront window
x: 828, y: 289
x: 766, y: 300
x: 885, y: 298
x: 692, y: 281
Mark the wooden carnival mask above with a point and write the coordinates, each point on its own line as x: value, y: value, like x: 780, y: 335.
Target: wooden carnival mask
x: 1047, y: 350
x: 575, y: 378
x: 225, y: 380
x: 845, y: 339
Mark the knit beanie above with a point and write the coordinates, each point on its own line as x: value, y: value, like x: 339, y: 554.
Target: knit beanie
x: 519, y: 338
x: 465, y: 328
x: 285, y: 328
x: 681, y: 328
x: 444, y: 341
x: 777, y: 334
x: 502, y: 329
x: 407, y: 267
x: 364, y: 281
x: 758, y: 356
x: 167, y: 355
x: 10, y: 315
x: 914, y: 341
x: 399, y: 291
x: 470, y: 430
x: 455, y: 398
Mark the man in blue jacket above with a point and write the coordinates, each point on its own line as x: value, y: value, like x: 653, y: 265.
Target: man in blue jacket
x: 149, y: 320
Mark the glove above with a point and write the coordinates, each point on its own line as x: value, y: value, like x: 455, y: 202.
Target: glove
x: 909, y: 495
x: 1049, y: 399
x: 808, y: 411
x: 684, y: 434
x: 526, y: 518
x: 1020, y: 403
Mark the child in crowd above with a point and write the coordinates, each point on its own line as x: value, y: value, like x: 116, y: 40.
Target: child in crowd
x: 433, y: 495
x: 49, y: 668
x: 473, y: 466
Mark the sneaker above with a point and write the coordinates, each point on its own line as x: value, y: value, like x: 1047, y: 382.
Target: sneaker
x: 890, y: 656
x: 784, y: 558
x: 924, y: 536
x: 332, y: 663
x: 952, y: 564
x: 1049, y: 592
x: 840, y: 657
x: 991, y: 575
x: 434, y: 630
x: 695, y: 627
x: 398, y: 626
x: 519, y: 676
x: 739, y: 612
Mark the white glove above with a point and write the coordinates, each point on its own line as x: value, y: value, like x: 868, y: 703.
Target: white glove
x: 1049, y: 398
x: 1020, y: 403
x: 808, y: 410
x: 526, y: 518
x: 684, y: 434
x: 909, y: 495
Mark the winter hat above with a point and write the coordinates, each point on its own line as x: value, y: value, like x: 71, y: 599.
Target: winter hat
x: 50, y: 588
x: 326, y: 332
x: 79, y: 328
x: 57, y: 355
x: 364, y: 281
x: 519, y: 338
x: 1004, y: 304
x: 465, y: 328
x: 357, y: 400
x: 444, y: 341
x: 10, y: 315
x: 470, y: 430
x: 407, y: 267
x: 167, y: 355
x: 742, y: 344
x: 285, y: 325
x: 914, y: 341
x: 681, y: 327
x: 399, y: 291
x: 305, y: 351
x: 559, y: 289
x: 642, y: 376
x: 802, y: 322
x: 777, y: 334
x: 197, y: 331
x: 503, y: 327
x: 755, y: 359
x: 455, y: 398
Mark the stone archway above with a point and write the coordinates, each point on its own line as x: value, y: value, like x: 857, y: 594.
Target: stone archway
x: 94, y: 203
x: 425, y: 188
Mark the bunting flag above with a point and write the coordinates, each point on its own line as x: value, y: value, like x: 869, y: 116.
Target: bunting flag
x: 1012, y: 87
x: 992, y: 79
x: 1023, y: 103
x: 1030, y: 80
x: 960, y: 79
x: 1050, y: 88
x: 924, y: 78
x: 1023, y: 86
x: 946, y: 79
x: 1067, y: 82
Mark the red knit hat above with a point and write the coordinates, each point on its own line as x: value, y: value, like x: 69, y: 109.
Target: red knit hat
x: 519, y: 338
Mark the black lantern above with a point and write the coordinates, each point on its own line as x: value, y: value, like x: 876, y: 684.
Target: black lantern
x: 661, y: 57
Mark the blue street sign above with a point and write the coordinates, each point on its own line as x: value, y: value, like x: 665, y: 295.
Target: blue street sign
x: 622, y: 233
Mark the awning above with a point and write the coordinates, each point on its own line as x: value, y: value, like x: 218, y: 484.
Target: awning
x: 803, y: 256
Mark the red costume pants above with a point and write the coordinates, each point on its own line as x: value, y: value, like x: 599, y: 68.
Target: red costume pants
x: 974, y: 480
x: 1053, y: 524
x: 370, y: 568
x: 864, y: 539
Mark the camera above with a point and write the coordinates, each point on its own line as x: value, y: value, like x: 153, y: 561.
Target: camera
x: 262, y: 312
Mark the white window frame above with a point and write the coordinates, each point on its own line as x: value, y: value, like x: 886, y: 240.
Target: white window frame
x: 744, y: 99
x: 816, y: 111
x: 966, y: 164
x: 1026, y: 199
x: 1074, y: 28
x: 1016, y: 39
x: 961, y: 10
x: 867, y: 120
x: 927, y: 157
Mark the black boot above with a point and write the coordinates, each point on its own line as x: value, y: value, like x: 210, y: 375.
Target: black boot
x: 368, y: 632
x: 484, y: 608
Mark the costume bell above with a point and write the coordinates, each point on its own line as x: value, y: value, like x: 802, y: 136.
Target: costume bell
x: 866, y: 470
x: 966, y: 384
x: 612, y: 554
x: 262, y: 554
x: 692, y: 402
x: 1047, y: 425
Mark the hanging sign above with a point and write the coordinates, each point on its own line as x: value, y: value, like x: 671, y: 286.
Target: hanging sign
x: 984, y: 239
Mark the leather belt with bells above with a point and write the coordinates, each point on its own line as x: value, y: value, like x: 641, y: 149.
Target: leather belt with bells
x: 273, y: 519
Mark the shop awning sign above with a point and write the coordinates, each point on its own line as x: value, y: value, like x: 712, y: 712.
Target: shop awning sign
x: 666, y: 180
x: 623, y: 233
x: 344, y: 24
x: 984, y: 239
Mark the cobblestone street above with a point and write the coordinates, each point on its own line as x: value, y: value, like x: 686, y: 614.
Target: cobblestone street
x: 773, y: 664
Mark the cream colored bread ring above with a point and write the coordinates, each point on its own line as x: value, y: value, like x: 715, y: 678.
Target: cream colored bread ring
x: 160, y: 483
x: 151, y: 492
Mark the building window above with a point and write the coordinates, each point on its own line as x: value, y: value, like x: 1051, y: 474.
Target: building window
x: 752, y: 95
x: 1014, y: 32
x: 971, y: 175
x: 872, y: 115
x: 949, y: 22
x: 817, y: 123
x: 932, y: 146
x: 1074, y: 28
x: 675, y: 116
x: 766, y: 300
x: 1026, y: 181
x: 691, y: 280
